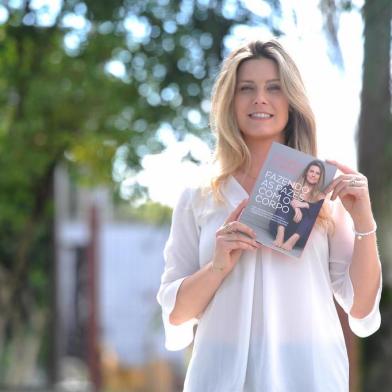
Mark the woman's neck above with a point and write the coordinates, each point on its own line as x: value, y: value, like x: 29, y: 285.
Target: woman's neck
x: 258, y: 153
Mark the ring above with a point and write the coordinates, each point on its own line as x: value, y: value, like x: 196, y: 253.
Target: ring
x: 356, y: 182
x: 227, y: 228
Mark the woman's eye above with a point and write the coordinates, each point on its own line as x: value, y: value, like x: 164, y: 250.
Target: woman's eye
x: 273, y: 87
x: 245, y: 88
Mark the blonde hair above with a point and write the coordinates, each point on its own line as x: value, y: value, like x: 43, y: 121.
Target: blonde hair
x: 231, y: 151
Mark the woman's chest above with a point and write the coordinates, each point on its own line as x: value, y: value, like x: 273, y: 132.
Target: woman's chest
x: 209, y: 225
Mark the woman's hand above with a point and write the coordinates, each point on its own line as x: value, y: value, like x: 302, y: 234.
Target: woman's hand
x: 232, y: 238
x: 297, y: 215
x: 352, y: 189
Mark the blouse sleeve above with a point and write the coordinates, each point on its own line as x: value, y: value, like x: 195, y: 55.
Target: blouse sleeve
x: 341, y: 244
x: 181, y: 255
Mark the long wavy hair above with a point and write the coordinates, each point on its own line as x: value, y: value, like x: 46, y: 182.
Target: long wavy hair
x: 231, y: 152
x: 319, y: 187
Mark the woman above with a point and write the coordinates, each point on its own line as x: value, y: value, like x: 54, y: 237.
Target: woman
x: 266, y: 322
x: 303, y: 210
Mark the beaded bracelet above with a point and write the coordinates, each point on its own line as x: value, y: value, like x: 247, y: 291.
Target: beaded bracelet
x: 360, y: 235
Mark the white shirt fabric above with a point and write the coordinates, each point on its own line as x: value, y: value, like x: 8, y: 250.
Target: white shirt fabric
x: 272, y: 325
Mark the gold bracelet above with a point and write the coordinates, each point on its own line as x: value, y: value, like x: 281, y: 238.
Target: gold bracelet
x: 359, y: 235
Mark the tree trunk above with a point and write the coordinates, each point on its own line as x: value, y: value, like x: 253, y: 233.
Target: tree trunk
x: 375, y: 161
x: 375, y: 125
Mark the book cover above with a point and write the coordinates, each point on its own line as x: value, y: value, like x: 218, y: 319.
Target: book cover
x: 286, y: 198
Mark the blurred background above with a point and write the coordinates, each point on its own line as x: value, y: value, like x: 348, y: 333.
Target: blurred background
x: 103, y: 120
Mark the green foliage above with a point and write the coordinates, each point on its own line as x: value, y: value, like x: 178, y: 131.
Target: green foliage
x: 61, y: 102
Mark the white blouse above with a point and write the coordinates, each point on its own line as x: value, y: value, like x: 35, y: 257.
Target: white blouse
x: 272, y: 325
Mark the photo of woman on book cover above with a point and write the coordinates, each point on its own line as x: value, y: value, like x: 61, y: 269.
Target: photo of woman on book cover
x: 303, y: 209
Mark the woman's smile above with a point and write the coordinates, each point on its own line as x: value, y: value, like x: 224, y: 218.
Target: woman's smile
x: 260, y: 116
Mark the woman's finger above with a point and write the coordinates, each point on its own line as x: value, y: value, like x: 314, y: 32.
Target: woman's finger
x: 236, y: 213
x: 243, y: 246
x: 339, y: 187
x: 235, y: 240
x: 237, y: 226
x: 343, y: 168
x: 352, y: 181
x: 336, y: 181
x: 332, y: 185
x: 354, y: 192
x: 238, y: 236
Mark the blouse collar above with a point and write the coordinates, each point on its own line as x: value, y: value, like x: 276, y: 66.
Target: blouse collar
x: 234, y: 192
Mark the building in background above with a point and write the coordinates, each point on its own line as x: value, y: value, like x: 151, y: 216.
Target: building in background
x: 109, y: 328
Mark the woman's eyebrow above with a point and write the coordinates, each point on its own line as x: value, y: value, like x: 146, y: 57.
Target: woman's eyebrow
x: 252, y: 81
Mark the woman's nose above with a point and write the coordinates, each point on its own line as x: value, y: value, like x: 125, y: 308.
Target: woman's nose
x: 260, y: 97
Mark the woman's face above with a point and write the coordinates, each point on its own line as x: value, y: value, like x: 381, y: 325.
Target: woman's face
x: 260, y: 106
x: 313, y: 175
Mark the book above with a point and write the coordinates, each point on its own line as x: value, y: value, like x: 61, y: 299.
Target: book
x: 286, y: 198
